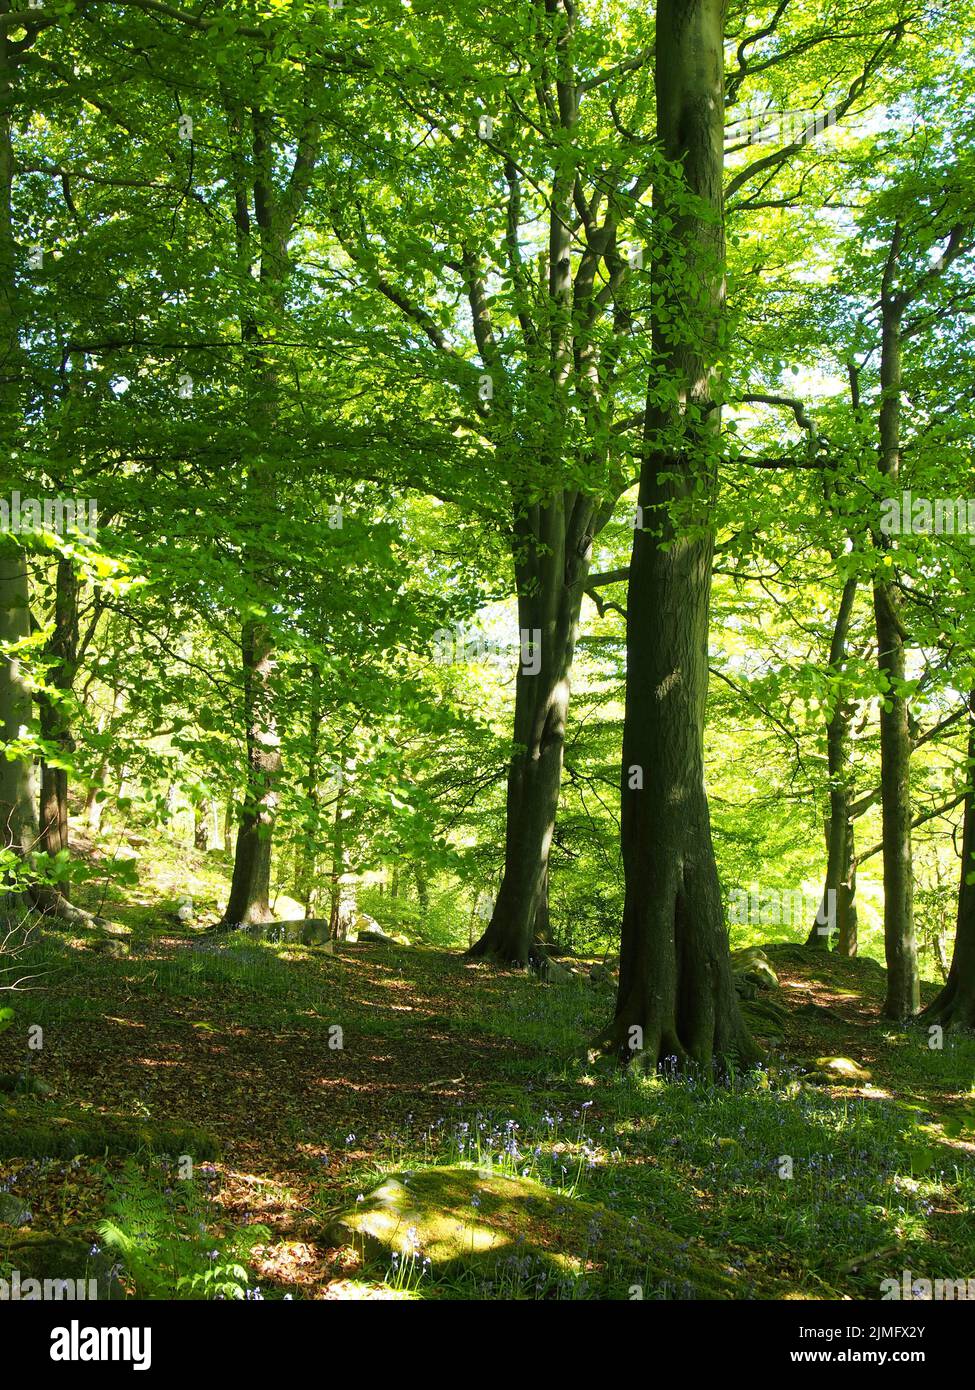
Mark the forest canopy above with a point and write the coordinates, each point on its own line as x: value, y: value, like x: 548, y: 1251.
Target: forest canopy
x: 486, y: 566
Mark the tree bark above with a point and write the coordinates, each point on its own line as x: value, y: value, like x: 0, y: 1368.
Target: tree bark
x: 55, y: 726
x: 249, y: 901
x: 557, y: 555
x: 903, y: 982
x: 18, y: 785
x: 274, y: 215
x: 954, y: 1006
x: 676, y: 1003
x: 19, y: 819
x: 422, y: 889
x: 306, y: 855
x: 837, y: 908
x: 336, y: 924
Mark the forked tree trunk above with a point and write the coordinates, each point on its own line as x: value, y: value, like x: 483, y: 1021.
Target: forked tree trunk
x: 954, y: 1006
x: 551, y: 579
x: 676, y: 996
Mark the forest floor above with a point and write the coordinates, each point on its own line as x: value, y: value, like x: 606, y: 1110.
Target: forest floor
x: 229, y: 1051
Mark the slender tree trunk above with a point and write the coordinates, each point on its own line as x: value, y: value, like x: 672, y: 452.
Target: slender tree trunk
x: 55, y: 724
x: 422, y: 890
x: 306, y: 855
x: 18, y: 787
x: 95, y: 800
x: 954, y: 1006
x: 554, y: 568
x: 903, y: 981
x: 847, y: 917
x: 837, y: 902
x: 274, y: 215
x: 18, y: 792
x: 336, y: 924
x: 249, y: 901
x: 676, y: 1003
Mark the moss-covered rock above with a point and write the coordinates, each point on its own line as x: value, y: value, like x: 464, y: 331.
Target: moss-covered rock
x: 838, y: 1071
x: 516, y: 1237
x: 752, y: 970
x: 40, y: 1256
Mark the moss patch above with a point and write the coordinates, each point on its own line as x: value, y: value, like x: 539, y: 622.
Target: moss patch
x: 517, y: 1235
x: 34, y: 1130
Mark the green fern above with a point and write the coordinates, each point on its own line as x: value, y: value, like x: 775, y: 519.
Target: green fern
x: 163, y: 1237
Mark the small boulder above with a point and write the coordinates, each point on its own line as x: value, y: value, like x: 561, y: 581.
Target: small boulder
x: 553, y: 973
x: 113, y: 947
x: 838, y: 1071
x: 368, y: 929
x: 315, y: 932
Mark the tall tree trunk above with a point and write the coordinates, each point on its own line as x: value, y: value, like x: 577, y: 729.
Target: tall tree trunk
x: 274, y: 216
x: 847, y: 917
x: 676, y: 1002
x: 55, y: 726
x: 553, y: 567
x: 306, y: 855
x: 18, y: 788
x: 903, y: 981
x: 954, y: 1006
x: 250, y: 885
x: 336, y: 924
x: 837, y: 901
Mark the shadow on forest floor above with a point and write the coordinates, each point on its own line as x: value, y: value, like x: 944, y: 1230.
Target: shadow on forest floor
x: 297, y: 1080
